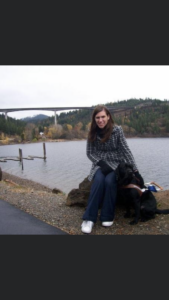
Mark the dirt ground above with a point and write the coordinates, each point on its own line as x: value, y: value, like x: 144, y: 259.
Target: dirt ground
x: 51, y: 208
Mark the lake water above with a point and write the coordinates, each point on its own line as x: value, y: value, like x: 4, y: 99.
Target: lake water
x: 67, y: 165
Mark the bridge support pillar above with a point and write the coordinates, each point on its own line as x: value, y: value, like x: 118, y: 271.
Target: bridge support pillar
x: 6, y: 117
x: 55, y: 118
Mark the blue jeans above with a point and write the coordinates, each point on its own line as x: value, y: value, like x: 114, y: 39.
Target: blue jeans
x: 102, y: 194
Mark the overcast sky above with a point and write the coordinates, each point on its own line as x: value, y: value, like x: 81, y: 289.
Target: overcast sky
x: 70, y: 86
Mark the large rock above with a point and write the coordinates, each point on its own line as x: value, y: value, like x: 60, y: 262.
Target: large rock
x: 79, y: 196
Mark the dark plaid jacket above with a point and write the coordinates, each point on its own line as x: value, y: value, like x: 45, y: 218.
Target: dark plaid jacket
x: 113, y: 151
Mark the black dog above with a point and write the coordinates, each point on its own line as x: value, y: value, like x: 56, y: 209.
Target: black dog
x: 130, y: 194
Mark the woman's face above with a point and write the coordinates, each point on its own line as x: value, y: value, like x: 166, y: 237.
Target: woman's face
x: 101, y: 119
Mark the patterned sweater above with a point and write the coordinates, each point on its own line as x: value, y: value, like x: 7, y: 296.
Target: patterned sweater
x: 113, y: 151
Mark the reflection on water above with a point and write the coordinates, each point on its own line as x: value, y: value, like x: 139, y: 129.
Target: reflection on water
x: 67, y: 165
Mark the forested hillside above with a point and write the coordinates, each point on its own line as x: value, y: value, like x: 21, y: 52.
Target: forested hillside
x: 142, y: 118
x: 11, y: 127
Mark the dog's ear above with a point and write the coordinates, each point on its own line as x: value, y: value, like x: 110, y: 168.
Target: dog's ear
x: 117, y: 172
x: 128, y: 165
x: 121, y: 166
x: 120, y: 171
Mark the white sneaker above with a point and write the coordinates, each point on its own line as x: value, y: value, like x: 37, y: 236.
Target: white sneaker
x: 107, y: 224
x: 87, y: 226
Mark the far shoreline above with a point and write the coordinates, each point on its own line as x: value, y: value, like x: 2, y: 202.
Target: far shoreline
x: 70, y: 140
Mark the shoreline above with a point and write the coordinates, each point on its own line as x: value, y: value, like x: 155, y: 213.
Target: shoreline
x: 40, y: 141
x: 39, y: 201
x: 72, y: 140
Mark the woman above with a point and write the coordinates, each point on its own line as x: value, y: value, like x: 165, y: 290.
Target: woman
x: 106, y: 148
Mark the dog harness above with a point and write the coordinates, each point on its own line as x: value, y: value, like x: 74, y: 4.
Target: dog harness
x: 131, y: 186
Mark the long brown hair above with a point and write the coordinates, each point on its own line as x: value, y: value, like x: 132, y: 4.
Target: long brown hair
x: 108, y: 128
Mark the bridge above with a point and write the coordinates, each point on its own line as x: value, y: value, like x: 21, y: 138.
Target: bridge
x: 55, y: 109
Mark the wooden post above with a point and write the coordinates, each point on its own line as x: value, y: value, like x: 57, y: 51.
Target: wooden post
x: 55, y: 118
x: 0, y: 174
x: 20, y: 157
x: 44, y: 151
x: 20, y: 154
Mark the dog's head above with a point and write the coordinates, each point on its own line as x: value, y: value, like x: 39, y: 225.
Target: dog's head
x: 124, y: 173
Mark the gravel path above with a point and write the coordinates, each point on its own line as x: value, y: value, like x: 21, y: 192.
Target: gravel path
x: 42, y: 203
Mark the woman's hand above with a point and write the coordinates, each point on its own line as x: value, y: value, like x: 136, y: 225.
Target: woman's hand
x: 106, y: 169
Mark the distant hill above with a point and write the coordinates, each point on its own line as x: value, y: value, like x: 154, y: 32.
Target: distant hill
x: 138, y: 117
x: 149, y: 117
x: 35, y: 119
